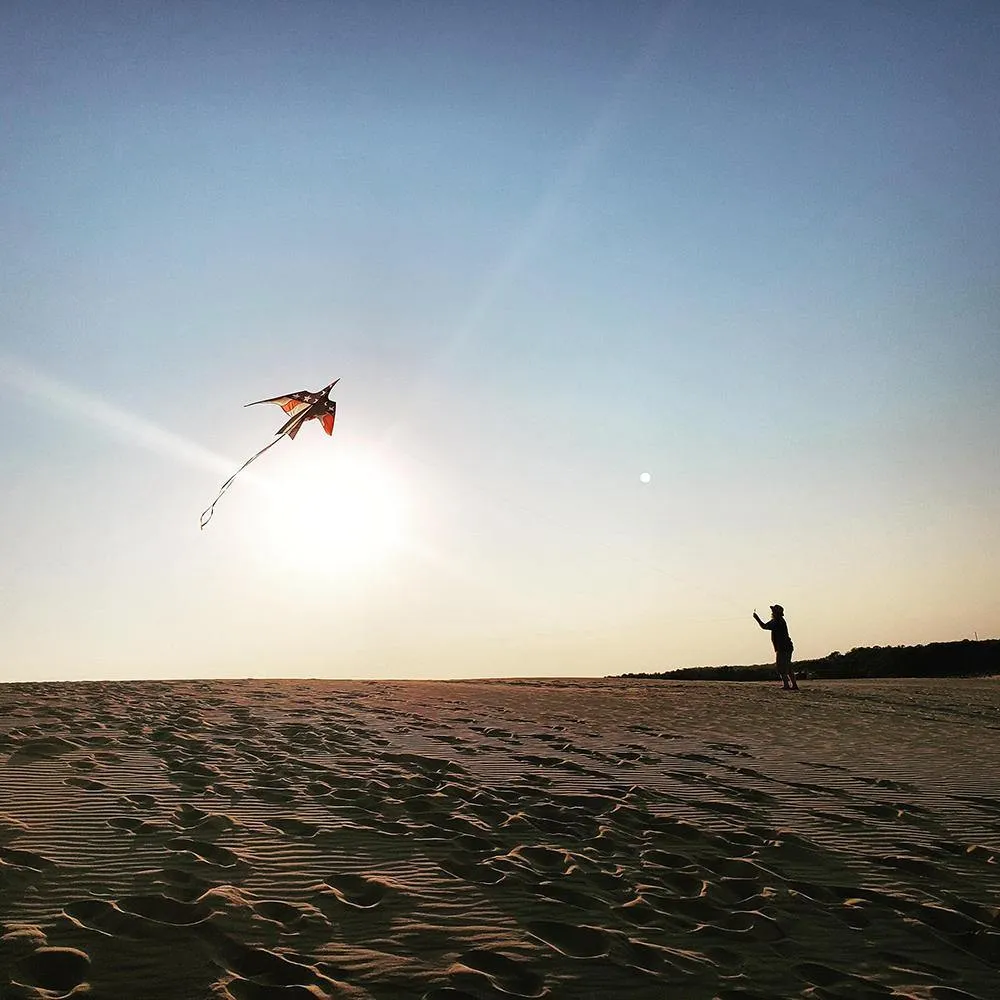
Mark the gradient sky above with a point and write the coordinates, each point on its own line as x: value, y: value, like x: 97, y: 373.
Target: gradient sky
x: 751, y: 249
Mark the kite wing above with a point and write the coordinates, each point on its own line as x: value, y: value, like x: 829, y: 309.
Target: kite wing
x: 291, y: 404
x: 327, y: 418
x: 300, y: 407
x: 324, y: 410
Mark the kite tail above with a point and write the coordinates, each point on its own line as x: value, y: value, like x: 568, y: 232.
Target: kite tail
x: 206, y: 514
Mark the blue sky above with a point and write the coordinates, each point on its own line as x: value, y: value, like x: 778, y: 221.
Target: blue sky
x: 751, y: 250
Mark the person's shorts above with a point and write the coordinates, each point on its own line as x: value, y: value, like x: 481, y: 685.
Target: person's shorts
x: 784, y: 655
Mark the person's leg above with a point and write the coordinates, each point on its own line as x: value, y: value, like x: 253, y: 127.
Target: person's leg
x: 788, y: 672
x: 779, y: 665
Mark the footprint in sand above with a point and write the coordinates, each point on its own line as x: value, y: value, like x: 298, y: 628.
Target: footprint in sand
x: 656, y: 858
x: 678, y: 829
x: 87, y: 784
x: 287, y: 914
x: 40, y: 749
x: 272, y: 793
x: 900, y: 786
x: 686, y: 909
x: 127, y: 823
x: 727, y: 809
x: 105, y: 918
x: 58, y: 970
x: 139, y: 800
x: 212, y: 826
x: 734, y: 749
x: 211, y: 854
x: 751, y: 923
x: 504, y: 973
x: 906, y: 863
x: 658, y: 959
x: 26, y: 859
x: 152, y: 827
x: 11, y: 829
x: 561, y: 893
x: 192, y: 775
x: 473, y: 844
x: 292, y: 827
x: 685, y: 884
x: 647, y: 957
x: 840, y: 819
x: 188, y: 816
x: 820, y: 975
x: 574, y: 941
x: 736, y: 993
x: 981, y: 801
x: 480, y: 873
x: 733, y: 868
x: 165, y: 910
x: 847, y: 984
x: 811, y: 788
x: 357, y: 891
x: 951, y: 993
x: 245, y: 989
x: 754, y: 795
x: 541, y: 860
x: 266, y: 968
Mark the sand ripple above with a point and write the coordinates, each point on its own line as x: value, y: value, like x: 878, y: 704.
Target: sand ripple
x: 466, y: 841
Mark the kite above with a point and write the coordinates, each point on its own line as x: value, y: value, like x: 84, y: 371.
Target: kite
x: 300, y: 407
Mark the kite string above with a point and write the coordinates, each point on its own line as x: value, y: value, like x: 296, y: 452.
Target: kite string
x: 206, y: 514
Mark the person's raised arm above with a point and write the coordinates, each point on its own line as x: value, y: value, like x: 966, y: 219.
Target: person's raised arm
x: 756, y: 618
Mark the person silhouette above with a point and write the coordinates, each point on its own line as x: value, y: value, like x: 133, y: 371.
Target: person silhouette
x: 782, y: 643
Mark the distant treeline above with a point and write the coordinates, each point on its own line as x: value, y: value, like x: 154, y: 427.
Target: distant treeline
x: 937, y: 659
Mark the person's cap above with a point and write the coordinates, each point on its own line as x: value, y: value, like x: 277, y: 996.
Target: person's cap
x: 778, y: 608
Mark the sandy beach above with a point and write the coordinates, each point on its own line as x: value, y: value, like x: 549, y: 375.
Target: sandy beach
x: 298, y: 840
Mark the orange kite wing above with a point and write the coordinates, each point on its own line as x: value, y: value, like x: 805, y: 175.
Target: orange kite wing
x: 293, y: 403
x: 300, y: 407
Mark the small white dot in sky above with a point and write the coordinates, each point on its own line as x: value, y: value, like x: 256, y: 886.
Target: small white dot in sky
x: 644, y: 477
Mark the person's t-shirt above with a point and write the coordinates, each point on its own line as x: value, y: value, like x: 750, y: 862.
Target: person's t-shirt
x: 779, y: 634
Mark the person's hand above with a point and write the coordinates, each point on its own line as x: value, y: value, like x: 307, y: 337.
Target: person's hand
x: 755, y: 612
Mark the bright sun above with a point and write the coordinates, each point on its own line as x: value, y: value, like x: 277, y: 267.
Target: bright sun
x: 325, y: 510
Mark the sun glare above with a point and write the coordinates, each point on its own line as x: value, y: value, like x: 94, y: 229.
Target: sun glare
x: 328, y: 510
